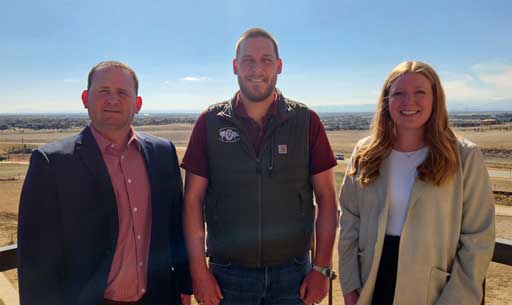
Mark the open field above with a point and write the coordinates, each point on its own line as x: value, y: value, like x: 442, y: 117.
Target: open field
x: 10, y: 190
x: 496, y: 144
x: 37, y: 137
x: 488, y: 138
x: 499, y: 282
x: 344, y: 141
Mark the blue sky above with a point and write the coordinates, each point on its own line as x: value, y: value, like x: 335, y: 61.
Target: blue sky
x: 334, y: 52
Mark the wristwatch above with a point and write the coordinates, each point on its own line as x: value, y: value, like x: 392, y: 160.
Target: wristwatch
x: 325, y: 271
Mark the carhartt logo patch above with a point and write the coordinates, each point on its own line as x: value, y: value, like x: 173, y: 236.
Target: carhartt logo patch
x: 282, y: 149
x: 229, y: 135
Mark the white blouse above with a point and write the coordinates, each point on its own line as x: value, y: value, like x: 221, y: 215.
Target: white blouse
x: 401, y: 181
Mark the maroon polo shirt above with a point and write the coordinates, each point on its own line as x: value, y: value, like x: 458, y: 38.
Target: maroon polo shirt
x: 320, y: 151
x: 254, y: 131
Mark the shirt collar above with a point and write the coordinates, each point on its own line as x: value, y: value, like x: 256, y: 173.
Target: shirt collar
x: 241, y: 112
x: 104, y: 143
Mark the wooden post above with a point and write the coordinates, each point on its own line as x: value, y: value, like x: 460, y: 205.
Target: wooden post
x: 483, y: 295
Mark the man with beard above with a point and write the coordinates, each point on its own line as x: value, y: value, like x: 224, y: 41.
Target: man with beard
x: 252, y: 165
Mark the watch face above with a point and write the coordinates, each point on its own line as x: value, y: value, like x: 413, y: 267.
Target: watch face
x: 328, y: 273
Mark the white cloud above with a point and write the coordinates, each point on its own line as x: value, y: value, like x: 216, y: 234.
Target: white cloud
x: 499, y: 79
x: 484, y: 82
x: 499, y: 98
x: 195, y: 78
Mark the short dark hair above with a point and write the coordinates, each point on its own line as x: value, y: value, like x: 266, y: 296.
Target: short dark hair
x: 116, y: 64
x: 254, y: 33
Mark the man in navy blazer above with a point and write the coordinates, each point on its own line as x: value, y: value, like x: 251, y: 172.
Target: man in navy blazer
x: 80, y: 240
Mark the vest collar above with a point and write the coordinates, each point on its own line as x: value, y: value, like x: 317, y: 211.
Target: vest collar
x: 284, y: 111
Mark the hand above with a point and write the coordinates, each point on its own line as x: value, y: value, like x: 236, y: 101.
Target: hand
x: 314, y: 287
x: 351, y: 297
x: 205, y: 288
x: 185, y: 299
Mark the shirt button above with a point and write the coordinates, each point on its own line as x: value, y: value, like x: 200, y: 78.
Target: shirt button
x: 135, y: 209
x: 129, y: 180
x: 140, y: 264
x: 143, y: 290
x: 122, y: 157
x: 138, y: 237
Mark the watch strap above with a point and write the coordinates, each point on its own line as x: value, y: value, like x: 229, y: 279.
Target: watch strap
x: 325, y: 271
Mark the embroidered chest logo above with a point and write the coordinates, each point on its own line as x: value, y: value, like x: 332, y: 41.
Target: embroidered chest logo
x: 229, y: 135
x: 282, y: 149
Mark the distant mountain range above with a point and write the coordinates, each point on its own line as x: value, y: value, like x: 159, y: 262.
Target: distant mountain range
x: 479, y: 107
x: 350, y: 108
x: 498, y: 106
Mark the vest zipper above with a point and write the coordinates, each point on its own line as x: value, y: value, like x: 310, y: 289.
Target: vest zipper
x: 271, y: 159
x: 271, y: 127
x: 260, y: 212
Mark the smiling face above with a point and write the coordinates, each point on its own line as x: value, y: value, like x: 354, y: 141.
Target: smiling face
x: 257, y: 67
x: 410, y: 102
x: 111, y: 100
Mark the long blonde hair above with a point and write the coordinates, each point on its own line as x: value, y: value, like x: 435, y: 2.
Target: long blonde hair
x: 442, y: 160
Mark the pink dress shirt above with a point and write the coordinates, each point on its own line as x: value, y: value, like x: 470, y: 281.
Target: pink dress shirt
x: 127, y: 279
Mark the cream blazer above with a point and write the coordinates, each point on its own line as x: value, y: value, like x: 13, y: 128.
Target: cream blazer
x: 447, y: 239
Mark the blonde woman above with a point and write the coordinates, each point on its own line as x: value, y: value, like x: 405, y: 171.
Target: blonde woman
x: 418, y: 211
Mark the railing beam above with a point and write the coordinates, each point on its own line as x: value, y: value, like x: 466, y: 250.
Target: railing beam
x: 502, y: 251
x: 502, y: 254
x: 8, y: 257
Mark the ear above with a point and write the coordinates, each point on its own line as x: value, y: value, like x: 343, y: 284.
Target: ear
x: 85, y: 99
x: 235, y: 66
x: 138, y: 104
x: 279, y: 66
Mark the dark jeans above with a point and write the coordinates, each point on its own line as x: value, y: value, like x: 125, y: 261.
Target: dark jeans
x: 386, y: 276
x: 274, y: 285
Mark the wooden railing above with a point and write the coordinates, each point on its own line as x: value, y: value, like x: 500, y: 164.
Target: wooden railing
x: 8, y: 258
x: 503, y: 251
x: 502, y: 254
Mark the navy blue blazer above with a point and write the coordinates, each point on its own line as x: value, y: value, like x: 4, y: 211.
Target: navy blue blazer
x: 68, y: 224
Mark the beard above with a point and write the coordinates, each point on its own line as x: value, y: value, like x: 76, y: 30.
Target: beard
x: 260, y: 94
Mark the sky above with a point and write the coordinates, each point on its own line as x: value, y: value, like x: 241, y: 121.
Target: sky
x: 334, y: 52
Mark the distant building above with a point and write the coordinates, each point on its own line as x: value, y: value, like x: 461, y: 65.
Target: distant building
x: 488, y: 121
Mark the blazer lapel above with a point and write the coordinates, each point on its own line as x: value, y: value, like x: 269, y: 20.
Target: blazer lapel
x: 157, y: 214
x: 383, y: 192
x: 382, y: 205
x: 89, y: 153
x: 418, y: 189
x: 147, y: 153
x: 382, y: 188
x: 147, y: 150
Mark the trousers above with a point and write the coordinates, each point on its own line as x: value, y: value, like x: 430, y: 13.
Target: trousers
x: 274, y: 285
